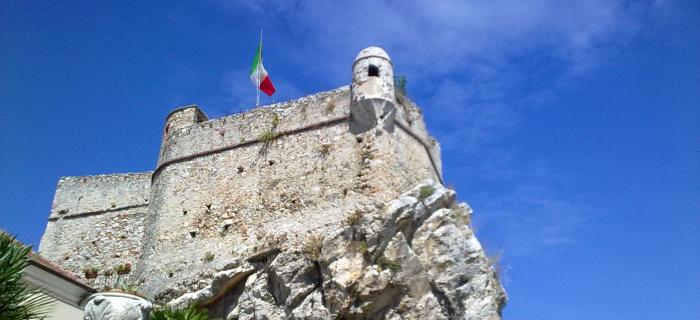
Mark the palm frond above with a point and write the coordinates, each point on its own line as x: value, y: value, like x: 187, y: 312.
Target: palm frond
x: 17, y: 301
x: 189, y: 313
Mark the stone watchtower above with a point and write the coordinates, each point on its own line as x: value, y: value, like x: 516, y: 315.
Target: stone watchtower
x: 181, y: 118
x: 372, y: 91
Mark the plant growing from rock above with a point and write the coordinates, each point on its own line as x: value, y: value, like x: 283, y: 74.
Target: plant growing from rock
x: 325, y: 149
x: 17, y: 301
x: 362, y: 247
x: 275, y: 120
x: 425, y: 192
x: 90, y: 272
x: 400, y: 86
x: 303, y: 111
x: 367, y: 154
x: 330, y: 107
x: 386, y: 263
x: 354, y: 218
x: 209, y: 256
x: 495, y: 262
x: 128, y: 289
x: 267, y: 136
x: 124, y: 268
x: 312, y: 247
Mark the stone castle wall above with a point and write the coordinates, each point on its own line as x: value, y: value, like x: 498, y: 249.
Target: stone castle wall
x: 298, y: 209
x: 222, y: 190
x: 237, y: 185
x: 97, y: 221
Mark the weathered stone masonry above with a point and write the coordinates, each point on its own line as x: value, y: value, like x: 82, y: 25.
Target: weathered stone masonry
x: 233, y: 186
x: 97, y: 221
x: 220, y: 188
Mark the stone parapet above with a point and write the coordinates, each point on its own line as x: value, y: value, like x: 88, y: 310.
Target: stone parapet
x: 97, y: 221
x: 100, y: 193
x: 250, y: 126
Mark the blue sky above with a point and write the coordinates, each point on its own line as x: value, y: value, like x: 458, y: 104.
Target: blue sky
x: 571, y: 127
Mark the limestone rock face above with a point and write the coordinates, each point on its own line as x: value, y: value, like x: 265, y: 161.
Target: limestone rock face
x: 415, y: 257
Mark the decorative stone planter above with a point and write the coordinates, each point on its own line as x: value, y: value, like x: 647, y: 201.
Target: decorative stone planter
x: 117, y: 306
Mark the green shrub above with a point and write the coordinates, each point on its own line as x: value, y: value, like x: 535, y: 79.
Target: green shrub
x: 267, y: 136
x: 385, y: 263
x: 90, y: 272
x: 312, y: 247
x: 123, y: 268
x: 425, y: 192
x: 275, y: 120
x: 189, y: 313
x: 17, y: 301
x: 362, y: 247
x: 354, y: 218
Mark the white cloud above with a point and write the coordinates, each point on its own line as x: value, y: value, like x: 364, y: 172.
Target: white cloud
x: 471, y: 47
x: 464, y: 64
x: 440, y: 36
x: 532, y: 214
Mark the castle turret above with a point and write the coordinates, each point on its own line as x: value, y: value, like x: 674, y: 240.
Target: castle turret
x: 181, y: 118
x: 372, y: 91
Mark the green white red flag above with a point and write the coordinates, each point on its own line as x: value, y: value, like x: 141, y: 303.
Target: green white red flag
x: 258, y: 74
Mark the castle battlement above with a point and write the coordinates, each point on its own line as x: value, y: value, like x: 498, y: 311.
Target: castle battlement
x: 241, y: 184
x: 182, y: 142
x: 233, y: 131
x: 83, y: 195
x: 97, y: 221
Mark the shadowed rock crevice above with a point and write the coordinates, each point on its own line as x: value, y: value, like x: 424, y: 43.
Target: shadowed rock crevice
x: 442, y: 299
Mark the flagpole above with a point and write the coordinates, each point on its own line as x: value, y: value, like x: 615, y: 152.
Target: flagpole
x: 257, y: 87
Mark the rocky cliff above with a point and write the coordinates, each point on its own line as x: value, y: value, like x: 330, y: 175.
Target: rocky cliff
x: 415, y: 257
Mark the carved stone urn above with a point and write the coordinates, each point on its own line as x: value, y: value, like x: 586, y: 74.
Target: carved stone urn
x: 117, y: 306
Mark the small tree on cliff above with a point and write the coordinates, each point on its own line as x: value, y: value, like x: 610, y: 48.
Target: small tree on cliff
x: 17, y: 301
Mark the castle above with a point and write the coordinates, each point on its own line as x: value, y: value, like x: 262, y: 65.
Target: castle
x: 220, y: 185
x: 226, y: 218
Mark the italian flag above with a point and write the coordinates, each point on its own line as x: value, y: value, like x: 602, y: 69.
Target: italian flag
x: 258, y: 74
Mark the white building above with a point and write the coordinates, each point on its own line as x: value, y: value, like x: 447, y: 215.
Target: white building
x: 67, y: 290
